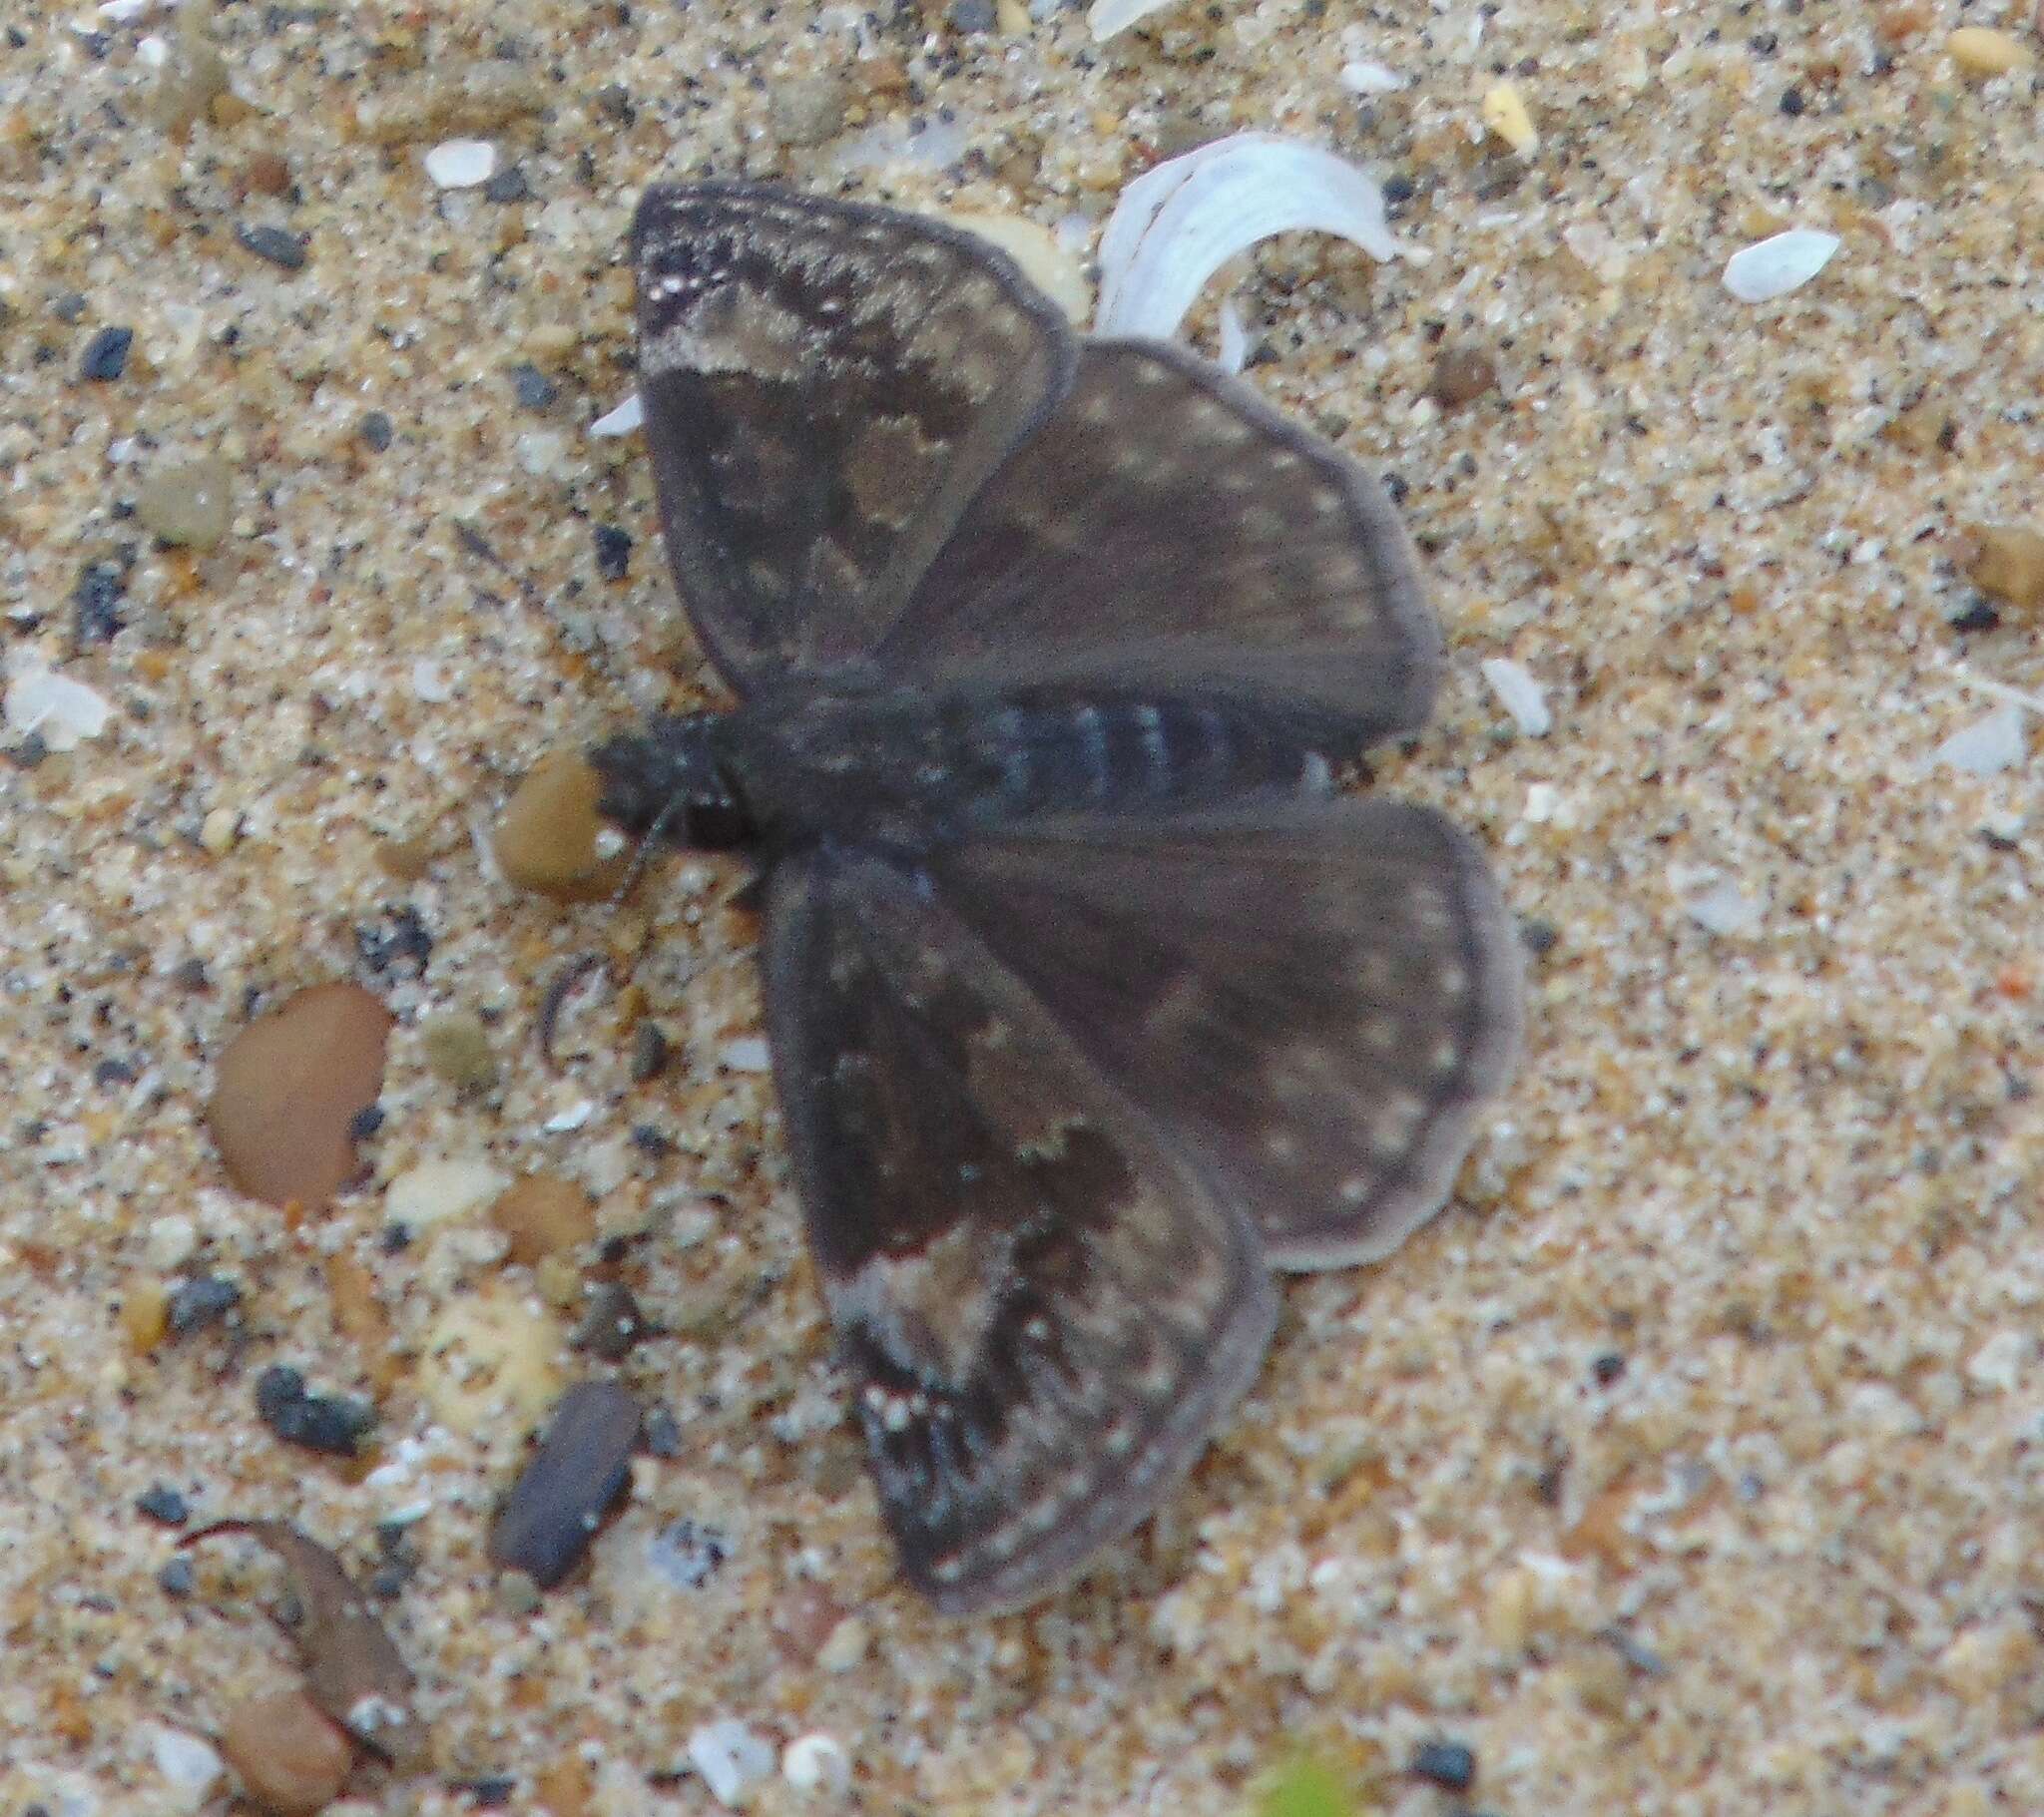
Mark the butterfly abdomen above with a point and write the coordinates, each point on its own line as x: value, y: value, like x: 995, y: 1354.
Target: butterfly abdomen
x: 901, y: 763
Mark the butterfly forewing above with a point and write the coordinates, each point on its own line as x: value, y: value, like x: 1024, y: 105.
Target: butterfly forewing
x: 1316, y: 995
x: 824, y: 387
x: 1043, y: 1302
x: 1165, y: 533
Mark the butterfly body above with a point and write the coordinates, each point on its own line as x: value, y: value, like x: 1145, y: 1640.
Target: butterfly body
x: 899, y: 768
x: 1090, y: 1002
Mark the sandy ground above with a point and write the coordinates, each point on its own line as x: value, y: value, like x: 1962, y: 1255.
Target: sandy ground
x: 1688, y: 1464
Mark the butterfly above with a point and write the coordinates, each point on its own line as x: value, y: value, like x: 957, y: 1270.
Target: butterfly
x: 1091, y: 1003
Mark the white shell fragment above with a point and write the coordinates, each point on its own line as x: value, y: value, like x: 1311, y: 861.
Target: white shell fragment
x: 1775, y: 266
x: 1715, y: 903
x: 816, y: 1763
x: 1985, y: 747
x: 730, y: 1758
x: 1235, y: 338
x: 1368, y: 78
x: 1107, y: 17
x: 1177, y: 225
x: 1519, y: 694
x: 65, y: 712
x: 627, y: 419
x: 461, y: 164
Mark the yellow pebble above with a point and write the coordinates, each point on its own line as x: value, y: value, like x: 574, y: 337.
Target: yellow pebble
x: 1504, y: 112
x: 1981, y: 51
x: 219, y: 831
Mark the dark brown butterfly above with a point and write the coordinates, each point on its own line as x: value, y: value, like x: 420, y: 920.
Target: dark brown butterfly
x: 1090, y: 1002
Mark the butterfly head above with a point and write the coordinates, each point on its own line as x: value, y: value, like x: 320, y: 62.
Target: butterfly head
x: 666, y: 784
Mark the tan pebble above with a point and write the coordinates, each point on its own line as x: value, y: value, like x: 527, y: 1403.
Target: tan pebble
x: 405, y: 859
x: 190, y: 80
x: 846, y: 1645
x: 566, y: 1786
x: 292, y: 1757
x: 1505, y: 115
x: 145, y: 1316
x: 546, y: 839
x: 1981, y: 51
x: 489, y: 1363
x: 1462, y: 375
x: 1035, y: 248
x: 290, y: 1086
x: 808, y: 109
x: 543, y: 1214
x: 1012, y: 17
x: 458, y: 1049
x: 2006, y: 562
x: 189, y: 503
x: 219, y: 830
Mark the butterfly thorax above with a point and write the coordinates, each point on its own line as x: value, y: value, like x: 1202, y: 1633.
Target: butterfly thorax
x: 899, y: 766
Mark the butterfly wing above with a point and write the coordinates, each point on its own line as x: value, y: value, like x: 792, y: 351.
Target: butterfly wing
x: 825, y: 386
x: 1313, y: 995
x: 1044, y: 1305
x: 1168, y: 534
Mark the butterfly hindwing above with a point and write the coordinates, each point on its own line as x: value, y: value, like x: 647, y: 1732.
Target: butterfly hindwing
x: 825, y: 386
x: 1167, y: 533
x: 1316, y: 995
x: 1043, y: 1302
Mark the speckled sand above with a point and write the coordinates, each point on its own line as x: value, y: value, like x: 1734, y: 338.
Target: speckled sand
x: 1688, y: 1463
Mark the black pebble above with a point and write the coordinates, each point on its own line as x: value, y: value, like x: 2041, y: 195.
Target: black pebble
x: 1446, y: 1763
x: 493, y: 1793
x: 1792, y: 103
x: 508, y: 184
x: 1608, y: 1367
x: 30, y: 752
x: 1537, y: 936
x: 160, y: 1502
x: 364, y: 1124
x: 406, y: 941
x: 1977, y: 616
x: 330, y: 1424
x: 201, y: 1301
x: 176, y: 1578
x: 649, y: 1053
x: 280, y: 247
x: 106, y: 355
x: 613, y: 552
x: 613, y: 1323
x: 533, y: 389
x: 1398, y: 190
x: 375, y: 431
x: 577, y: 1475
x: 96, y: 603
x: 663, y: 1434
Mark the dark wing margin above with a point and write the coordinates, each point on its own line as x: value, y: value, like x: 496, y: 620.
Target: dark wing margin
x: 825, y: 386
x: 1316, y: 996
x: 1044, y: 1305
x: 1167, y: 533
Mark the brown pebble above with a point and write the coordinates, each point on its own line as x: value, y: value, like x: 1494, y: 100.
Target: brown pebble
x: 354, y: 1670
x: 189, y: 503
x: 291, y: 1084
x: 543, y: 1214
x: 145, y: 1316
x: 457, y: 1050
x: 2006, y: 562
x: 267, y: 174
x: 1460, y: 375
x: 292, y: 1757
x: 546, y: 840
